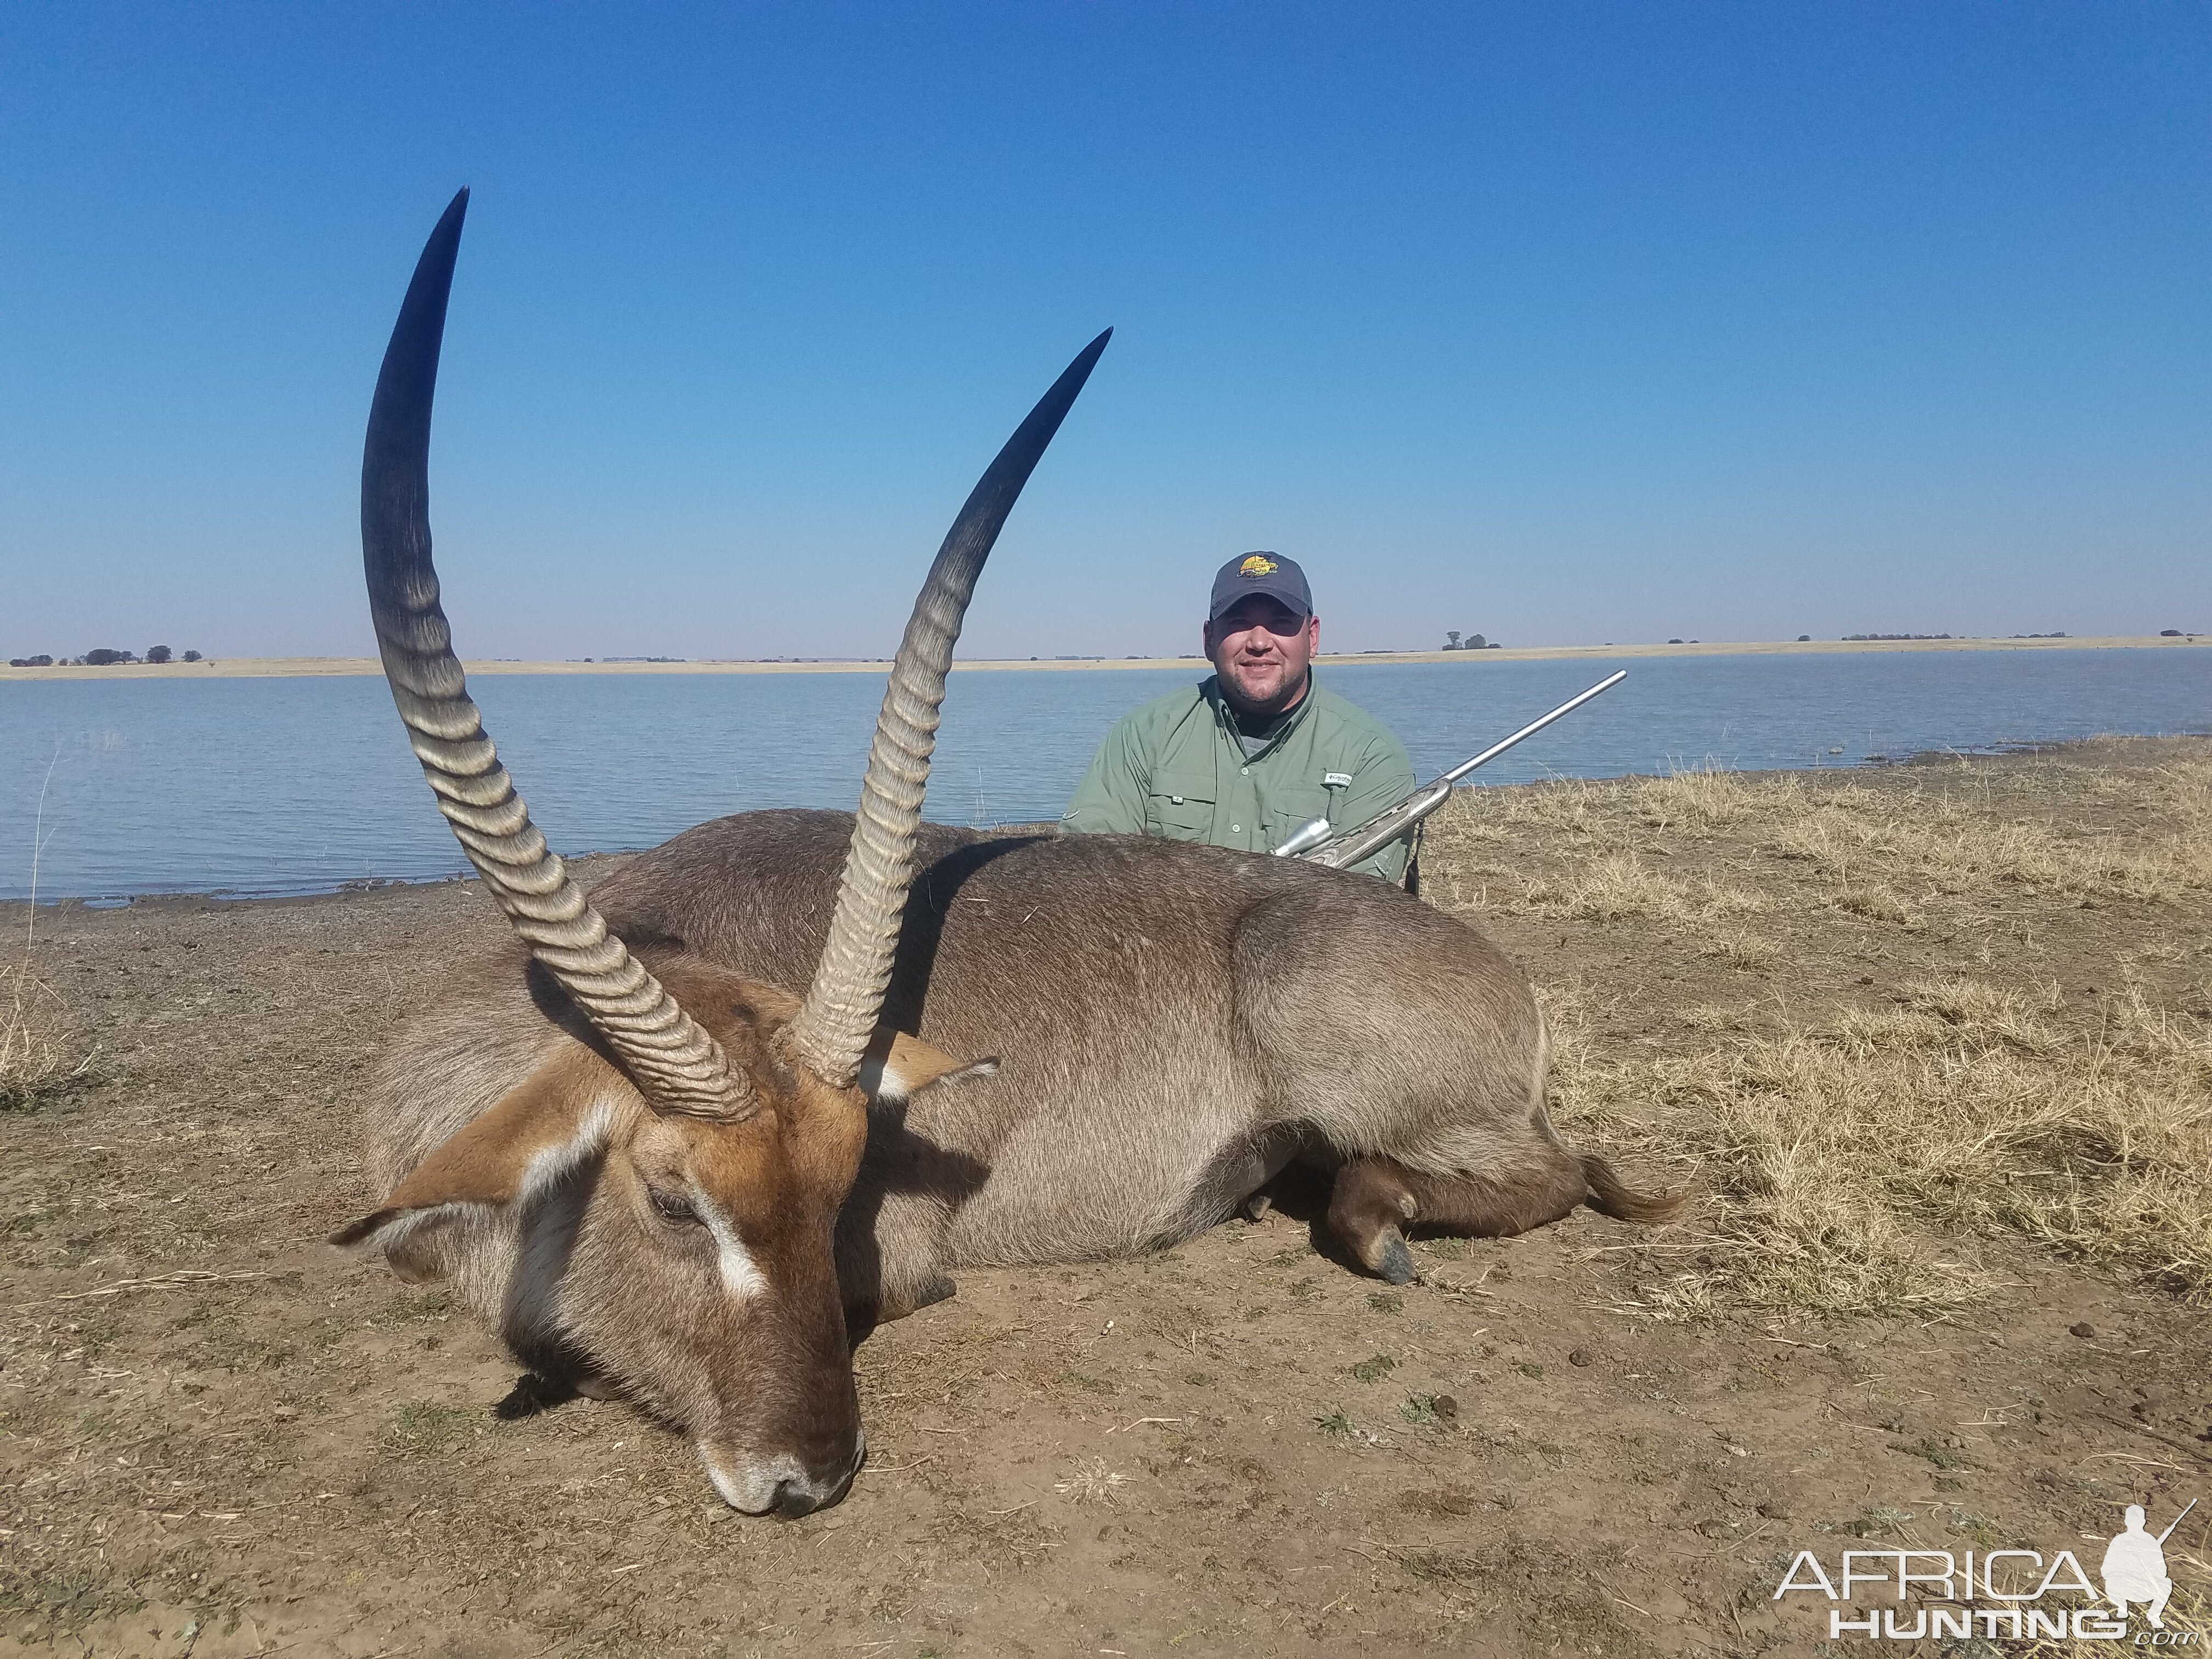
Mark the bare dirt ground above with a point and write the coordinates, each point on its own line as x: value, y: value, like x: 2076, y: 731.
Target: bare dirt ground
x: 1931, y: 1040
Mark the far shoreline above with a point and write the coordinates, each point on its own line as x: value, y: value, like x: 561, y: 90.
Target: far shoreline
x: 329, y: 667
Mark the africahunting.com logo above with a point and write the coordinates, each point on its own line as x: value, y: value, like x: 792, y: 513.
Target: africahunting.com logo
x: 1999, y: 1594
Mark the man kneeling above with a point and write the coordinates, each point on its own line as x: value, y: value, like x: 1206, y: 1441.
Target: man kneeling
x: 1257, y: 751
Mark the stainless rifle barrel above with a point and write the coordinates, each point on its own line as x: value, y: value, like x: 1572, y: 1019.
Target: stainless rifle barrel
x: 1534, y: 726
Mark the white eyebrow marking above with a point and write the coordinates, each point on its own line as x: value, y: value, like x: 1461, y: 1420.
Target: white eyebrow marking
x: 742, y: 1277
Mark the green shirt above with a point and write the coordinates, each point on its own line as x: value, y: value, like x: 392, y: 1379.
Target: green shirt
x: 1174, y: 768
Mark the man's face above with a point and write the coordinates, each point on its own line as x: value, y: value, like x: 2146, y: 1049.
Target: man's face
x: 1260, y: 648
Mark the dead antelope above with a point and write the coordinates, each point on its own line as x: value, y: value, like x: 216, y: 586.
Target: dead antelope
x: 680, y: 1134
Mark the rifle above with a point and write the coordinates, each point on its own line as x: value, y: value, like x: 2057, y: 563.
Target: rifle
x: 1318, y: 844
x: 2177, y: 1519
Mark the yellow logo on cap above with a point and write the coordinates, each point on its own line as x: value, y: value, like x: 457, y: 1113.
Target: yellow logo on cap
x: 1258, y: 565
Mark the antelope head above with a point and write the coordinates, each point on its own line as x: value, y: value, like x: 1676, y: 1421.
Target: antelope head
x: 667, y: 1187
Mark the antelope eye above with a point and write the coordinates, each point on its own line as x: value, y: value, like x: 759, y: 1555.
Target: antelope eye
x: 672, y: 1206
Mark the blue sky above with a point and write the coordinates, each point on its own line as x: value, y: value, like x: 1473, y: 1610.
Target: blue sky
x: 1561, y: 323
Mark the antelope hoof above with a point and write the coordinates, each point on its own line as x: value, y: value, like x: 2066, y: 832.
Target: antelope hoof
x: 1256, y: 1204
x: 1392, y: 1259
x: 938, y: 1288
x: 533, y: 1393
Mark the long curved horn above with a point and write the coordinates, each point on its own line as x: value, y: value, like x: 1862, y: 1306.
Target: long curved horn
x: 677, y: 1066
x: 833, y: 1027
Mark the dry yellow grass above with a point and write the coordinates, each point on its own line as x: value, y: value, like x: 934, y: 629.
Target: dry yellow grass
x: 35, y: 1058
x: 34, y: 1055
x: 1704, y: 799
x: 1739, y: 948
x: 1898, y: 844
x: 1950, y: 850
x: 1849, y: 1164
x: 1854, y: 1159
x: 1617, y: 886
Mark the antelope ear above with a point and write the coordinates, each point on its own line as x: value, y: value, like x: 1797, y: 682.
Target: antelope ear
x: 540, y: 1131
x: 911, y: 1065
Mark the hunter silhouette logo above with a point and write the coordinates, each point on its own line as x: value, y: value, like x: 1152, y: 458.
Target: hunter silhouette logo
x: 1258, y: 565
x: 2134, y: 1567
x: 2005, y: 1594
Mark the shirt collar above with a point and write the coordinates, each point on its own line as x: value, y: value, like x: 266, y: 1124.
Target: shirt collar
x: 1226, y: 720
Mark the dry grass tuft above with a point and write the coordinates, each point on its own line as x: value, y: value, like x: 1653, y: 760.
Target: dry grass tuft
x: 1567, y: 807
x: 1739, y: 948
x: 1610, y: 888
x: 1708, y: 1017
x: 1851, y: 1163
x: 35, y: 1062
x: 1706, y: 798
x: 1092, y: 1482
x: 1878, y: 902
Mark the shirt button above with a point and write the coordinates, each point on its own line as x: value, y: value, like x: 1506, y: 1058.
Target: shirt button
x: 1243, y: 771
x: 1236, y: 828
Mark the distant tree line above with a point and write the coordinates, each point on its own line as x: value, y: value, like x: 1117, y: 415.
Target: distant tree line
x: 1471, y: 642
x: 102, y: 658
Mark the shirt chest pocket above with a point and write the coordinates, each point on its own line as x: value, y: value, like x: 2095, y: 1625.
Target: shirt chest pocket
x: 1181, y: 809
x: 1293, y: 807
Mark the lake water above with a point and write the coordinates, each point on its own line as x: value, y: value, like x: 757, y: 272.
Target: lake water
x: 291, y: 785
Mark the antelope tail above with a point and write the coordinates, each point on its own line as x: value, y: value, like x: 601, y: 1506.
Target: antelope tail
x: 1610, y: 1195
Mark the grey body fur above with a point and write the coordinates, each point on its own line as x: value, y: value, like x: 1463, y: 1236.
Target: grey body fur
x: 1176, y: 1023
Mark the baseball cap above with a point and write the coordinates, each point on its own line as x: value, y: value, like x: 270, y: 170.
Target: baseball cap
x: 1270, y: 574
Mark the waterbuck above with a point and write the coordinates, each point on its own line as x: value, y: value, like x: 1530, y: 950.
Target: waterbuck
x: 783, y: 1073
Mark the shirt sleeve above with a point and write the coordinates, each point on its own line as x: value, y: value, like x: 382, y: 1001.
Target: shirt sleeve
x: 1383, y: 777
x: 1110, y: 799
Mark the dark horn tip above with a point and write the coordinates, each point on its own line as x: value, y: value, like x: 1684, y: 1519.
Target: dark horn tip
x: 444, y: 243
x: 1087, y: 358
x: 449, y: 221
x: 1073, y: 377
x: 1044, y: 420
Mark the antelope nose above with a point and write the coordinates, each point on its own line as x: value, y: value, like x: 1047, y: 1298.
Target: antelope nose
x: 794, y: 1499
